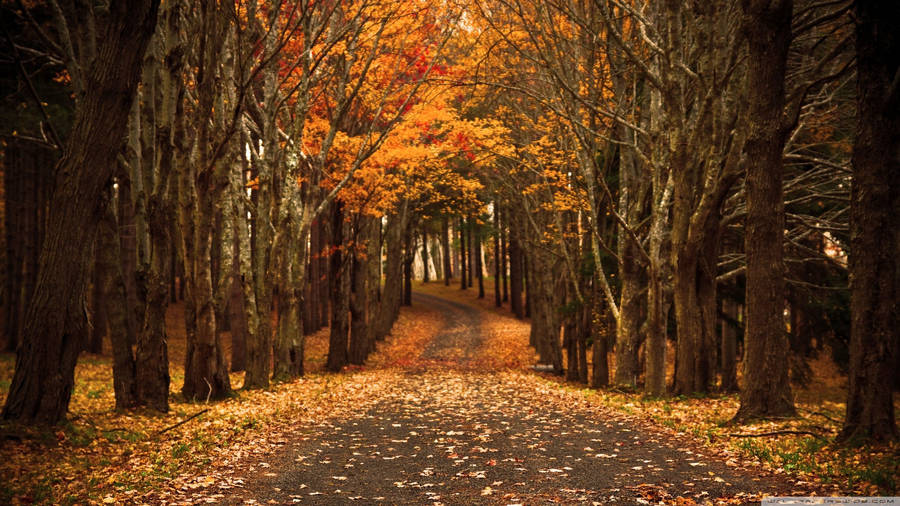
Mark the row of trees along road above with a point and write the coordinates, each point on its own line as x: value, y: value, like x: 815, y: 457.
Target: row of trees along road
x: 718, y: 175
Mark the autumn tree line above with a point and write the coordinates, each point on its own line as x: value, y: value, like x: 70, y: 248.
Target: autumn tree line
x: 650, y: 182
x: 690, y: 178
x: 251, y: 159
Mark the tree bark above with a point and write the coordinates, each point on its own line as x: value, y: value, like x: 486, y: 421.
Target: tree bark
x: 516, y: 273
x: 600, y: 330
x: 114, y: 298
x: 631, y: 312
x: 570, y: 343
x: 289, y: 341
x: 240, y: 306
x: 128, y: 244
x: 479, y: 268
x: 728, y: 368
x: 470, y: 251
x: 766, y: 385
x: 874, y: 235
x: 527, y: 279
x: 155, y: 216
x: 463, y: 255
x: 425, y: 273
x: 583, y: 333
x: 497, y: 295
x: 205, y: 371
x: 545, y: 322
x: 373, y: 281
x: 311, y: 300
x: 339, y: 286
x: 409, y: 253
x: 98, y: 303
x: 504, y: 240
x: 392, y: 296
x: 359, y: 296
x: 151, y: 354
x: 55, y: 325
x: 238, y: 323
x: 445, y: 246
x: 322, y: 285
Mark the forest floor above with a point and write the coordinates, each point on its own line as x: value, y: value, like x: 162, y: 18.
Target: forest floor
x: 447, y: 411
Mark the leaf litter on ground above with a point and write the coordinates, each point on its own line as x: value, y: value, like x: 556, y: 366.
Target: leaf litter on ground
x: 103, y: 456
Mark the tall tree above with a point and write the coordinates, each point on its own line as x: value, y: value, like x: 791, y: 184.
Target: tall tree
x: 766, y: 389
x: 339, y: 286
x: 875, y: 235
x: 516, y: 274
x: 445, y: 247
x: 202, y: 181
x: 497, y: 295
x: 425, y: 274
x: 463, y: 255
x: 479, y: 268
x: 55, y: 325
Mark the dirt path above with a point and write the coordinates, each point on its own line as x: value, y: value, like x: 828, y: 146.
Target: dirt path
x: 452, y: 434
x: 459, y: 339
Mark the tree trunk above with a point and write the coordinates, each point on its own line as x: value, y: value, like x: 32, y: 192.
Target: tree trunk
x: 392, y: 295
x: 470, y: 251
x: 687, y: 316
x: 766, y: 385
x: 259, y: 339
x: 479, y: 268
x: 516, y: 274
x: 570, y: 343
x: 729, y: 347
x: 583, y: 333
x: 527, y: 278
x: 238, y: 322
x: 409, y: 253
x: 655, y: 365
x: 545, y: 324
x: 359, y: 348
x: 503, y: 234
x: 55, y: 325
x: 874, y: 235
x: 359, y: 297
x: 457, y: 251
x: 373, y: 281
x: 339, y: 285
x: 98, y: 303
x: 585, y: 309
x: 425, y: 273
x: 311, y: 299
x: 445, y: 246
x: 497, y: 295
x: 151, y: 354
x: 631, y: 312
x: 437, y: 260
x: 322, y: 285
x: 244, y: 263
x: 113, y: 296
x: 155, y: 215
x: 290, y: 270
x: 241, y: 300
x: 463, y: 255
x: 205, y: 370
x: 128, y: 245
x: 600, y: 331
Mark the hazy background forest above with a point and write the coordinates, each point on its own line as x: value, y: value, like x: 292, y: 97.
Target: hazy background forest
x: 685, y: 200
